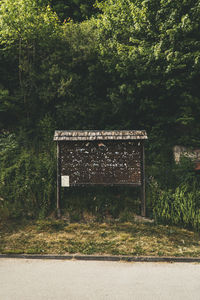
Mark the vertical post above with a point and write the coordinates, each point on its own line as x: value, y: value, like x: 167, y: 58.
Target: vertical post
x: 143, y: 195
x: 58, y: 181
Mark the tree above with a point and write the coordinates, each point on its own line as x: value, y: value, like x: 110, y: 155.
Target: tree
x: 28, y: 34
x: 81, y: 81
x: 151, y: 51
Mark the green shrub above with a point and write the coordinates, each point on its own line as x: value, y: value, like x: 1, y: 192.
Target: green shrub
x: 180, y: 207
x: 27, y: 180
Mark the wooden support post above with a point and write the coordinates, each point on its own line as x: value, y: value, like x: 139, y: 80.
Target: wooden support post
x: 58, y: 181
x: 143, y: 195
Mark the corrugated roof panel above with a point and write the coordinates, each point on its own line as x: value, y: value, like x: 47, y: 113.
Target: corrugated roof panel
x: 80, y: 135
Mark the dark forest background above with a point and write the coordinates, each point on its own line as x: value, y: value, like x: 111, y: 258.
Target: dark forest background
x: 113, y: 64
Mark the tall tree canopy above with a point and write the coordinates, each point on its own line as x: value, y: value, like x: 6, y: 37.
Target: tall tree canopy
x: 29, y: 32
x: 151, y: 48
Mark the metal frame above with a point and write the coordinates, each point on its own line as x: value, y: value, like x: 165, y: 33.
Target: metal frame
x: 143, y: 192
x: 58, y: 181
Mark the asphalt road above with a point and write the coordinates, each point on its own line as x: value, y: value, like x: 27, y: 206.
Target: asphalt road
x: 89, y: 280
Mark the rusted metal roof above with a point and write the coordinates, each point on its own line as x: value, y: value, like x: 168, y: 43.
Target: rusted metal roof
x: 89, y: 135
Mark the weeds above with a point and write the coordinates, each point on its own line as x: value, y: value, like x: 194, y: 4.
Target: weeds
x: 118, y: 238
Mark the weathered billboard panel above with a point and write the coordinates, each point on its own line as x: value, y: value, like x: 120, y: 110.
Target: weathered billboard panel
x: 101, y: 162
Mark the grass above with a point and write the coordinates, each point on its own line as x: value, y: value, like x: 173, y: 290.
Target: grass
x: 115, y: 238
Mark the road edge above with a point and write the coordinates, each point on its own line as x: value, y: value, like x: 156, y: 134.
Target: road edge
x: 105, y: 258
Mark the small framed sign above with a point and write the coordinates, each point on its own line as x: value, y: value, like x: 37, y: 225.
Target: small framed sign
x: 65, y: 181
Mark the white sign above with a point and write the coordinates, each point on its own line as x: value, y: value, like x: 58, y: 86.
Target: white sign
x: 65, y: 181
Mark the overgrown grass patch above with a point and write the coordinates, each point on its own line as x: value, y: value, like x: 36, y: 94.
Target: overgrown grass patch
x: 116, y: 238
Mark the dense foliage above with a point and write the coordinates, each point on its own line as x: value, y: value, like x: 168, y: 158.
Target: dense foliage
x: 114, y: 64
x: 77, y: 10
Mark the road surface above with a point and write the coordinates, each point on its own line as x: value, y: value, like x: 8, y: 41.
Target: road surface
x: 22, y: 279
